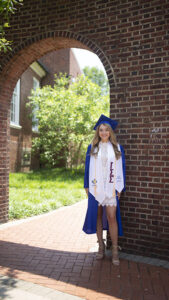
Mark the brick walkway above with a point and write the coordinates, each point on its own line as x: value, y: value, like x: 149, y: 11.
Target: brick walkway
x: 51, y: 250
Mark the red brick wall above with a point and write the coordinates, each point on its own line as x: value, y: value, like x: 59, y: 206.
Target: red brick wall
x: 58, y: 61
x: 74, y: 69
x: 55, y: 62
x: 131, y: 39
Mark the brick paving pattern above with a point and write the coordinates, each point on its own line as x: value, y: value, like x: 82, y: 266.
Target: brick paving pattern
x: 53, y: 251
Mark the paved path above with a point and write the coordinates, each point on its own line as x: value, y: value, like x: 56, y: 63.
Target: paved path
x: 15, y: 289
x: 51, y: 254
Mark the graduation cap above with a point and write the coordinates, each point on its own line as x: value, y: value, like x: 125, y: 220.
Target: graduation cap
x: 105, y: 120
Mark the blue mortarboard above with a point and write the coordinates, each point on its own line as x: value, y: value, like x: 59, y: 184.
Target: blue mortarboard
x: 103, y: 119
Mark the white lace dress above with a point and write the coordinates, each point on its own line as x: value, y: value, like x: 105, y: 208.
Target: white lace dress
x: 104, y: 157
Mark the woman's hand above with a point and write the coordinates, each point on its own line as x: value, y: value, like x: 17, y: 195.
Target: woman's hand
x: 87, y: 191
x: 118, y: 194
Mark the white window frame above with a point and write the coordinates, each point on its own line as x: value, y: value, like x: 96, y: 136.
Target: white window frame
x: 15, y: 106
x: 36, y: 84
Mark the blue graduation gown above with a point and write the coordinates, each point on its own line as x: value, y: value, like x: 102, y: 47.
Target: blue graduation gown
x: 90, y: 222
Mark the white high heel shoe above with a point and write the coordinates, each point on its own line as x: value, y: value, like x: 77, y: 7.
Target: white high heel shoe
x: 101, y: 251
x: 115, y: 256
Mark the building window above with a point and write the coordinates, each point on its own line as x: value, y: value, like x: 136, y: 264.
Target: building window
x: 15, y: 105
x: 36, y: 84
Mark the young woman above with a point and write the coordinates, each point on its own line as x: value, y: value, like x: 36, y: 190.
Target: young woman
x: 104, y: 181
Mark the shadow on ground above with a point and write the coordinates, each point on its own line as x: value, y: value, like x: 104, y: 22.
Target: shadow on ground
x: 55, y: 269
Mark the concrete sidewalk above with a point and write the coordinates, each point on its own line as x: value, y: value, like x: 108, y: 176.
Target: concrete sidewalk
x: 49, y: 256
x: 15, y: 289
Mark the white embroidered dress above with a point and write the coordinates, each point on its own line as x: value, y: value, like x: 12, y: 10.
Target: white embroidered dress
x: 104, y: 158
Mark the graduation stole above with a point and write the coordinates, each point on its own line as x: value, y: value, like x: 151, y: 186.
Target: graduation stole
x: 114, y: 181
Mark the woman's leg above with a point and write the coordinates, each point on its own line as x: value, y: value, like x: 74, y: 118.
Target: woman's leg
x: 99, y: 233
x: 113, y: 229
x: 99, y: 225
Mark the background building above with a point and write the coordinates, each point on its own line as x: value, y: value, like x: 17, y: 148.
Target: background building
x: 22, y: 131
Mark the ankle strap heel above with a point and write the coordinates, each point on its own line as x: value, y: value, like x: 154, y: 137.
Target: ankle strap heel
x: 115, y: 256
x: 101, y: 251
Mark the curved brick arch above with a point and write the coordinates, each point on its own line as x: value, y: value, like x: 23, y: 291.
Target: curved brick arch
x: 32, y: 49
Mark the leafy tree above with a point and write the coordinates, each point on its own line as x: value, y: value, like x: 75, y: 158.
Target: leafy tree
x: 66, y: 115
x: 7, y: 7
x: 97, y: 76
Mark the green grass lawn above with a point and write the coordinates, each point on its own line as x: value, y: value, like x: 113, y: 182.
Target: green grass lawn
x: 43, y: 190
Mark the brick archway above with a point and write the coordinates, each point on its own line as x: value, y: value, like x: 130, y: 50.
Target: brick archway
x: 23, y: 55
x: 32, y: 49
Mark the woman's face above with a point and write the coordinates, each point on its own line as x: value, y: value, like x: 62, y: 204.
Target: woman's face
x: 104, y: 133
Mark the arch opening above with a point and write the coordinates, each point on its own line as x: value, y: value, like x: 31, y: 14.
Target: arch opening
x: 21, y: 61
